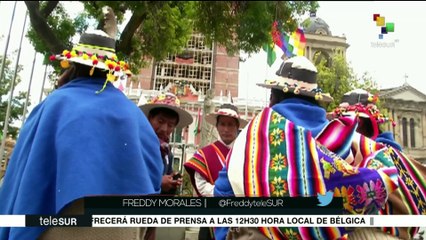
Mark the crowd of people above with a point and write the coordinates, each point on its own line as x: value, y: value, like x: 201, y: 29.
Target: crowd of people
x: 87, y: 138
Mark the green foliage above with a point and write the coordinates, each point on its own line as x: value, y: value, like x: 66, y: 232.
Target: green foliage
x: 245, y: 25
x: 18, y: 100
x: 162, y: 27
x: 338, y: 77
x: 306, y: 23
x: 63, y: 27
x: 367, y: 83
x: 187, y: 188
x: 166, y: 29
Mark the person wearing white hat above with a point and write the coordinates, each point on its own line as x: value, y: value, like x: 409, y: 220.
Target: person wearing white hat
x: 204, y: 166
x: 277, y: 155
x: 85, y: 139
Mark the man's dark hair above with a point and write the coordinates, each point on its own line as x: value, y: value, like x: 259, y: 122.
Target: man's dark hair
x: 166, y: 111
x: 84, y: 71
x: 77, y: 70
x: 278, y: 95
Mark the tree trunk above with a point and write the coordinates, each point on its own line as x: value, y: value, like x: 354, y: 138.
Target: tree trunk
x: 206, y: 128
x: 39, y: 23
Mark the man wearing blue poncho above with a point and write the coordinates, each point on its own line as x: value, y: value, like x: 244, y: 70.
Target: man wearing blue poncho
x: 86, y: 138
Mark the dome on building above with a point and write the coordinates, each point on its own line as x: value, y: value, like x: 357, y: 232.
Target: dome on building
x: 315, y: 25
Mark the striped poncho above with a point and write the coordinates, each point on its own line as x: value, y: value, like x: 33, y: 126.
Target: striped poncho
x: 273, y: 157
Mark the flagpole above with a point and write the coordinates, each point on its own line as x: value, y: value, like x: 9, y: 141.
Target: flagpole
x: 247, y: 86
x: 266, y: 77
x: 3, y: 64
x: 42, y: 85
x: 12, y: 88
x: 28, y: 90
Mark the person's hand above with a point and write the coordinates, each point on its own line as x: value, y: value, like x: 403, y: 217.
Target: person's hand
x: 178, y: 178
x: 168, y: 183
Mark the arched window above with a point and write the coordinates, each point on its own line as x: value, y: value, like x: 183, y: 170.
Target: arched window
x: 404, y: 133
x: 412, y: 133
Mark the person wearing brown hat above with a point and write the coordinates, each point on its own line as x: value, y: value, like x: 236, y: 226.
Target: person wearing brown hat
x: 277, y: 155
x: 165, y: 115
x: 85, y: 139
x: 204, y: 166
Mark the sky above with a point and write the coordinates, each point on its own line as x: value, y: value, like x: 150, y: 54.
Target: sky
x: 386, y: 65
x: 27, y: 51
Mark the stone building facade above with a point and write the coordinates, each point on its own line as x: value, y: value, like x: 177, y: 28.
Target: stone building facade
x: 407, y: 107
x: 320, y: 41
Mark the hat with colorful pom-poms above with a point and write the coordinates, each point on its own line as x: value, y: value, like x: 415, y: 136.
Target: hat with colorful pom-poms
x: 96, y: 49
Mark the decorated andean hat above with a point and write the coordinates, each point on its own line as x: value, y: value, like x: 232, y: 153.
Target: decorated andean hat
x: 170, y: 101
x: 297, y: 75
x: 95, y: 49
x: 227, y: 110
x: 361, y: 103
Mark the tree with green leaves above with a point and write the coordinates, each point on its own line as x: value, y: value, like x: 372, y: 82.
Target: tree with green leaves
x: 367, y: 83
x: 156, y: 28
x: 18, y: 100
x: 337, y: 77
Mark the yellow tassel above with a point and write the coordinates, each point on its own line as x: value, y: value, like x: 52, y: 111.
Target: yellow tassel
x: 103, y: 87
x: 110, y: 78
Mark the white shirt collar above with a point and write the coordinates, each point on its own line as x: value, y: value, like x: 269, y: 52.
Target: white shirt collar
x: 228, y: 146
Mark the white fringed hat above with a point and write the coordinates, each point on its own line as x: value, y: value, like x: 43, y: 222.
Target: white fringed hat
x: 227, y: 110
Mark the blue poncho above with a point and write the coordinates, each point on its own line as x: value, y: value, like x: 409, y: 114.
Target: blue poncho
x: 77, y: 143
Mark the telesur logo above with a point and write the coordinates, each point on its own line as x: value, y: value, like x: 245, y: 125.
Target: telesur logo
x: 385, y: 28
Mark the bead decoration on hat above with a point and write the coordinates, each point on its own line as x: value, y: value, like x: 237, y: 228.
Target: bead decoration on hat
x: 165, y: 98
